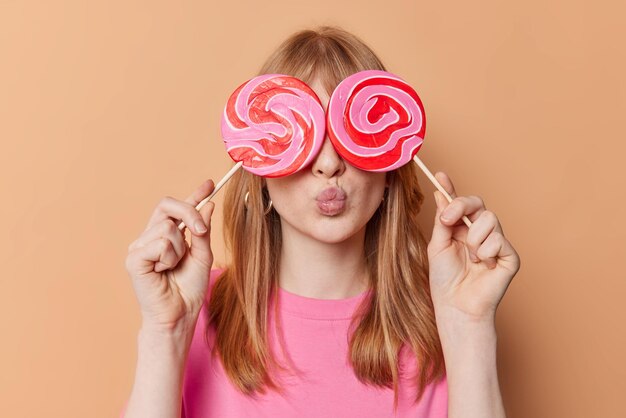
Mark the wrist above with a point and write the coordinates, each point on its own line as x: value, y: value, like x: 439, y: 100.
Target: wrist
x: 154, y: 325
x: 456, y: 327
x: 453, y: 316
x: 175, y: 336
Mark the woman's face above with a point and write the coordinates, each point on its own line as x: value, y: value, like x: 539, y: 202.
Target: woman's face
x: 329, y: 200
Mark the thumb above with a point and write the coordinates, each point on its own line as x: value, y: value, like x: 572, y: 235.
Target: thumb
x: 442, y: 234
x: 200, y: 247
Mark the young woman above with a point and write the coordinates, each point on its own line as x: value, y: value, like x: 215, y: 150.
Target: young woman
x: 332, y: 303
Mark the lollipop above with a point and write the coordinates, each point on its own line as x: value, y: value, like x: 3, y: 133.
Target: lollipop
x: 273, y: 125
x: 376, y: 122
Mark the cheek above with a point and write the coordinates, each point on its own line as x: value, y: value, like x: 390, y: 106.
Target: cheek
x: 370, y: 194
x: 374, y: 188
x: 284, y: 195
x: 283, y: 205
x: 372, y: 201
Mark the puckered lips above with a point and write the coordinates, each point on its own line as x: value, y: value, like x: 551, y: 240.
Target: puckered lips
x: 331, y: 201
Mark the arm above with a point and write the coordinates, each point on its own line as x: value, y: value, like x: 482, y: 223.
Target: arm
x: 469, y: 270
x: 157, y: 390
x: 170, y: 278
x: 470, y: 356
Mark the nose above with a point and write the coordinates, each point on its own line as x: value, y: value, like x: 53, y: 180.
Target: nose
x: 328, y: 163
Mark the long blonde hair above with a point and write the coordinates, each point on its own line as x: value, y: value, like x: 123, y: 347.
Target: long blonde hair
x: 398, y: 314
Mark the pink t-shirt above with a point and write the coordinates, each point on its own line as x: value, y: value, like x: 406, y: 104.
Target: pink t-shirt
x: 315, y: 336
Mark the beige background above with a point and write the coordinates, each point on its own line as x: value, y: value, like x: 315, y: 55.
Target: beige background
x: 105, y: 107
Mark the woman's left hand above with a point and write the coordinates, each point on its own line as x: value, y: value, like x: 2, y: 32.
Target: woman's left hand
x: 470, y: 268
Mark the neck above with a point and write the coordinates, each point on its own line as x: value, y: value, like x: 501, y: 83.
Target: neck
x: 322, y: 270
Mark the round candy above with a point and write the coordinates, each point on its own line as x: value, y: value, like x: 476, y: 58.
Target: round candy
x: 376, y: 121
x: 274, y: 124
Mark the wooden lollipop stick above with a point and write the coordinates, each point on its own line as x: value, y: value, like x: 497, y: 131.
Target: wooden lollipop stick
x: 219, y: 185
x: 438, y: 185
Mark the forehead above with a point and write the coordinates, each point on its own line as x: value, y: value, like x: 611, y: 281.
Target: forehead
x: 319, y: 89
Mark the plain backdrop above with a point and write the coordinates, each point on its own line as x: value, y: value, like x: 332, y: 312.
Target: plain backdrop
x: 107, y: 106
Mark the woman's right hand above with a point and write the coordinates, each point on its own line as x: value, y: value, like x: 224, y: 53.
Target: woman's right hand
x: 170, y: 277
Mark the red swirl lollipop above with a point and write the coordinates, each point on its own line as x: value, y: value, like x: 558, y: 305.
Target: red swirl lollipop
x: 376, y: 121
x: 274, y: 124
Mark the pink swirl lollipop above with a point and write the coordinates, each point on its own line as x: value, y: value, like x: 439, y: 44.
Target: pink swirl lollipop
x: 376, y: 121
x: 274, y: 124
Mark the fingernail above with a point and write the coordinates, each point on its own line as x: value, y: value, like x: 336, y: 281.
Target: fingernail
x: 447, y: 215
x: 199, y: 226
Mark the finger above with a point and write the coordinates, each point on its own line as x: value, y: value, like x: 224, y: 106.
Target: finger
x: 446, y: 183
x: 166, y: 229
x: 200, y: 248
x: 498, y: 248
x: 169, y: 258
x: 442, y: 234
x: 144, y: 259
x: 176, y: 210
x: 161, y: 212
x: 490, y: 249
x: 480, y: 230
x: 471, y: 206
x: 201, y: 193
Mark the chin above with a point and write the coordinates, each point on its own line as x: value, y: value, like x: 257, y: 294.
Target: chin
x: 334, y: 234
x: 332, y: 239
